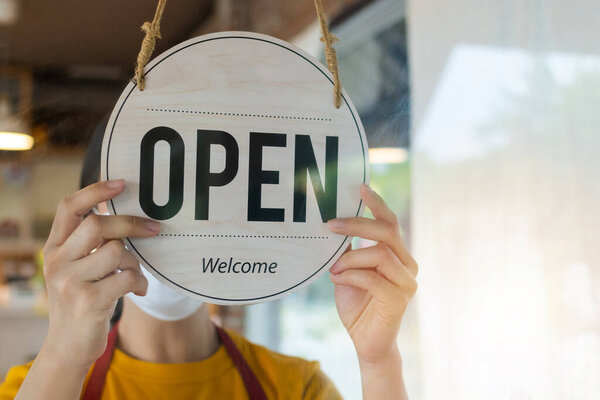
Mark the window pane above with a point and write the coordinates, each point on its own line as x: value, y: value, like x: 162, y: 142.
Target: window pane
x: 506, y: 195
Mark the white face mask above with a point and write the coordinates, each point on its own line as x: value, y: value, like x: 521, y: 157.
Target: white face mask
x: 162, y: 302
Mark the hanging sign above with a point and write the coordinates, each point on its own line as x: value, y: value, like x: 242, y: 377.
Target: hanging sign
x: 236, y: 147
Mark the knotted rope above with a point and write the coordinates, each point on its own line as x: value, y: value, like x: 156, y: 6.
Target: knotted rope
x: 330, y: 56
x: 152, y: 30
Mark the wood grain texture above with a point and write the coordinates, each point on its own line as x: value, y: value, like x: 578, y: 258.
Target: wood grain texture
x: 236, y: 82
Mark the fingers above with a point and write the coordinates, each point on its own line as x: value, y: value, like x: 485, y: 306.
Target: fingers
x: 108, y: 258
x: 96, y: 229
x: 89, y: 284
x: 72, y: 208
x: 381, y: 258
x: 377, y: 205
x: 366, y: 228
x: 378, y: 231
x: 384, y: 228
x: 382, y: 290
x: 121, y: 283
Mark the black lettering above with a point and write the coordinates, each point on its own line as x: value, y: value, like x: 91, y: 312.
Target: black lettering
x: 257, y: 176
x: 259, y: 264
x: 272, y: 267
x: 210, y: 265
x: 246, y: 264
x: 234, y: 265
x: 305, y: 161
x: 222, y: 267
x: 213, y: 265
x: 204, y: 178
x: 176, y: 161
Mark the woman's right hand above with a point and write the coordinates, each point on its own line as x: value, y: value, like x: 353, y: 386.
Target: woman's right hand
x: 84, y: 285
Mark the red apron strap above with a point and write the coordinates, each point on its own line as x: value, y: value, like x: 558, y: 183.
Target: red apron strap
x: 253, y: 386
x: 95, y: 385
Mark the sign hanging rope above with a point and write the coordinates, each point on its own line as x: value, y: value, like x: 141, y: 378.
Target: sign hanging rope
x: 152, y: 30
x: 330, y: 56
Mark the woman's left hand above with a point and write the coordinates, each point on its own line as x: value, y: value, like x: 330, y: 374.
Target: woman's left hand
x: 373, y: 285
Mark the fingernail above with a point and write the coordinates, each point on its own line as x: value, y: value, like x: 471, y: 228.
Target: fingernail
x: 368, y: 188
x: 334, y: 277
x: 335, y: 223
x: 152, y: 226
x: 335, y: 267
x: 115, y: 184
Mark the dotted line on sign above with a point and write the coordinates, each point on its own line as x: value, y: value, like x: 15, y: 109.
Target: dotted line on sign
x: 237, y: 114
x: 242, y: 236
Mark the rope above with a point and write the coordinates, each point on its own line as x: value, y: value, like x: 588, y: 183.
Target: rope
x: 152, y: 30
x: 330, y: 56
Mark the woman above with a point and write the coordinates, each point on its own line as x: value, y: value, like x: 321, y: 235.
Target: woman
x: 165, y: 345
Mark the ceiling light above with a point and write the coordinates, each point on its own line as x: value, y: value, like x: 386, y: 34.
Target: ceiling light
x: 9, y: 12
x: 15, y: 141
x: 11, y: 126
x: 388, y: 155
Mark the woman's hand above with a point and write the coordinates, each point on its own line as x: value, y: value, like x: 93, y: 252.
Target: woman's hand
x: 373, y: 287
x: 83, y: 285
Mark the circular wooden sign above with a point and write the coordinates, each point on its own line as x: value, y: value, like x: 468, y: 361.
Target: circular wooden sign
x: 236, y: 146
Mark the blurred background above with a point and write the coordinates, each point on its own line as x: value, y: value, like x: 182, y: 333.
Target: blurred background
x: 483, y: 123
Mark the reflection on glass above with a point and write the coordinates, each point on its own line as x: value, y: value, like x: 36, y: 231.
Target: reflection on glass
x: 506, y: 223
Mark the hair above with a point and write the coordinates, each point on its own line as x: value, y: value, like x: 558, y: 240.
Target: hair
x: 90, y: 173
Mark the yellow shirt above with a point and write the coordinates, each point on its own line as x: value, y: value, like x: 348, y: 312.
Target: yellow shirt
x: 282, y: 377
